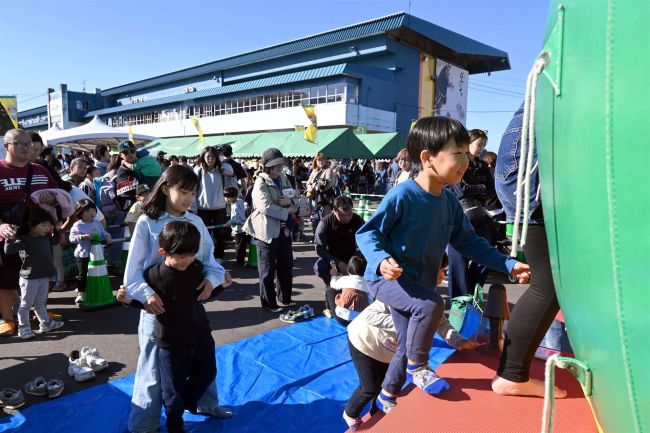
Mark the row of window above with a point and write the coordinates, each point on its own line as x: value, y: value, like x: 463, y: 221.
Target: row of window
x: 271, y: 101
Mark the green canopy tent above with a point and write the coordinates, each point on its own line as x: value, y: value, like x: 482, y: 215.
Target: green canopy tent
x: 383, y: 145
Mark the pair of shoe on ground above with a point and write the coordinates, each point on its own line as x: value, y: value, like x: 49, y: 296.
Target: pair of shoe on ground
x: 304, y: 312
x: 84, y: 363
x: 11, y: 398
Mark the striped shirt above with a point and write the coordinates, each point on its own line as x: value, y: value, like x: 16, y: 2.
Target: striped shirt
x: 143, y: 253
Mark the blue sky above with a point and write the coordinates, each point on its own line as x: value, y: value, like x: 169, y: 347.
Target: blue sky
x: 111, y: 42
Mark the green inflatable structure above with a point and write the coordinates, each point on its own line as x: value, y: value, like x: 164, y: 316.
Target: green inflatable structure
x: 592, y: 126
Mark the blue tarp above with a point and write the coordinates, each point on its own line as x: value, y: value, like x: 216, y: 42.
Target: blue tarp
x: 294, y: 379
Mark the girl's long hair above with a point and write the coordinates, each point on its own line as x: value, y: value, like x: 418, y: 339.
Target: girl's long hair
x: 178, y: 176
x: 319, y: 156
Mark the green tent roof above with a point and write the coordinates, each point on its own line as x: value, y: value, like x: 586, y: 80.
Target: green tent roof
x: 383, y: 145
x: 335, y: 143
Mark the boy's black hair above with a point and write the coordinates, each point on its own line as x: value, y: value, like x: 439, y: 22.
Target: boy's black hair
x: 180, y: 237
x: 34, y: 217
x: 432, y: 133
x: 90, y: 170
x: 230, y: 191
x: 82, y: 206
x: 357, y: 265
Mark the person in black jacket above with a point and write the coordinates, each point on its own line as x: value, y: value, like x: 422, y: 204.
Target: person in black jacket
x: 186, y: 357
x: 335, y: 239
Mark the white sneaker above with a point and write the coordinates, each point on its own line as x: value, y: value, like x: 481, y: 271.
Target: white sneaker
x: 93, y: 359
x: 78, y: 368
x: 81, y: 297
x: 26, y: 333
x: 50, y: 326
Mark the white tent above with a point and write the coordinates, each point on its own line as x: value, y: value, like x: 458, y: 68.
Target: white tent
x: 50, y: 132
x: 92, y: 134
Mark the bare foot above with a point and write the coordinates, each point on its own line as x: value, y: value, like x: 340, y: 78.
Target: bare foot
x: 533, y: 388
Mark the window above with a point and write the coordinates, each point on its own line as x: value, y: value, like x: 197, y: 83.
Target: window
x: 82, y: 105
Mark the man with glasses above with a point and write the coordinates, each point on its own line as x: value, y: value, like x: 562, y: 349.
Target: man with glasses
x: 14, y: 173
x: 335, y: 239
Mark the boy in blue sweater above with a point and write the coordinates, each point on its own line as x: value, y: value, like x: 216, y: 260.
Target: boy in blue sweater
x: 404, y: 243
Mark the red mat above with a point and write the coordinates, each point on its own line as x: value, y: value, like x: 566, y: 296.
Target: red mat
x: 471, y: 406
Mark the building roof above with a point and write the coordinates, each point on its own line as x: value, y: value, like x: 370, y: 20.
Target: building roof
x: 311, y: 74
x: 465, y: 52
x: 33, y: 111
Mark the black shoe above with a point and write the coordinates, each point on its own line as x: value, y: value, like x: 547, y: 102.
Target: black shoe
x: 215, y: 412
x: 276, y: 309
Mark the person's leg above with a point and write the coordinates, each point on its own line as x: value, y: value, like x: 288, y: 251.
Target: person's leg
x: 82, y: 267
x: 322, y: 270
x: 207, y: 216
x: 146, y: 400
x: 41, y: 287
x: 266, y: 268
x: 477, y: 273
x: 115, y: 248
x: 203, y: 372
x: 220, y: 217
x: 330, y: 297
x: 57, y: 255
x: 457, y: 273
x: 28, y: 292
x: 284, y: 269
x: 371, y: 373
x: 528, y: 322
x: 241, y: 242
x: 175, y: 366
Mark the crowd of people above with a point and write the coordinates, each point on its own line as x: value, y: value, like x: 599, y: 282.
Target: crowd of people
x: 379, y: 275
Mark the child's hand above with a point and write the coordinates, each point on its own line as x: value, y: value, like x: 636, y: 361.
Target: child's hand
x: 108, y: 239
x: 390, y: 269
x: 121, y: 296
x: 284, y: 201
x: 87, y: 237
x: 521, y: 272
x: 206, y: 290
x: 228, y: 281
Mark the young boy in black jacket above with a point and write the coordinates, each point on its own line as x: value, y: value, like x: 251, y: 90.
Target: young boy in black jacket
x: 186, y: 357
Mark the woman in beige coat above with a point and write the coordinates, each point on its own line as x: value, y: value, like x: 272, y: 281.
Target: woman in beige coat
x: 271, y: 223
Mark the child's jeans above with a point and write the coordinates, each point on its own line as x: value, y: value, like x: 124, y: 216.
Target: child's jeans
x: 146, y: 401
x: 416, y: 311
x: 33, y: 293
x: 186, y: 371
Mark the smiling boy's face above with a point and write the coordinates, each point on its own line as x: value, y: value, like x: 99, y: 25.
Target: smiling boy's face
x: 450, y: 163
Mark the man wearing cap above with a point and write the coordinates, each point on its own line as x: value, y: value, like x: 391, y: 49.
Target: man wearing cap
x: 270, y: 223
x: 127, y: 178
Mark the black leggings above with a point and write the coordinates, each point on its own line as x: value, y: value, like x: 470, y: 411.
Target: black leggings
x: 534, y: 312
x: 371, y: 374
x: 212, y: 217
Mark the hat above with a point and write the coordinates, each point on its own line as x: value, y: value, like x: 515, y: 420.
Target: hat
x: 271, y: 157
x: 141, y: 189
x: 125, y: 145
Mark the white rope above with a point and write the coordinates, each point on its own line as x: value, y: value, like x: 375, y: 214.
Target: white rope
x: 548, y: 414
x: 526, y: 156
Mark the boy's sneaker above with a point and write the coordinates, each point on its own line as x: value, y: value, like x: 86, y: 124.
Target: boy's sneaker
x: 292, y: 317
x: 7, y: 328
x: 353, y: 423
x: 385, y: 405
x: 306, y: 311
x: 26, y: 333
x: 11, y: 398
x: 93, y: 359
x: 36, y: 386
x: 78, y: 368
x: 81, y: 298
x: 50, y: 326
x: 427, y: 380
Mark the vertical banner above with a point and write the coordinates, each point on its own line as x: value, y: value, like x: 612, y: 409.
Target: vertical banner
x: 197, y: 124
x: 8, y: 114
x: 450, y: 95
